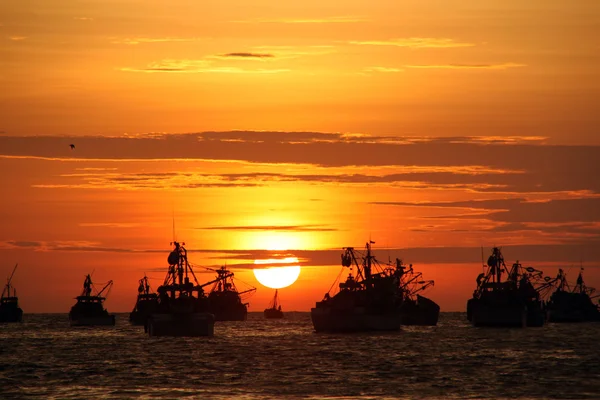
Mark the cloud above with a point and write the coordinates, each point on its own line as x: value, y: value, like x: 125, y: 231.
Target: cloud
x: 17, y: 38
x: 566, y: 253
x: 16, y: 243
x: 95, y: 169
x: 414, y: 42
x: 322, y: 20
x: 472, y: 177
x: 109, y: 224
x: 246, y: 55
x: 83, y: 18
x: 497, y: 139
x: 172, y: 65
x: 483, y: 164
x: 73, y: 245
x: 295, y: 228
x: 139, y: 40
x: 287, y: 52
x: 520, y: 210
x: 197, y: 66
x: 468, y: 66
x: 148, y: 181
x: 382, y: 69
x: 210, y: 63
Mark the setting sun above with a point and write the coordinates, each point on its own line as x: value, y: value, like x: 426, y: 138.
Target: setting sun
x: 277, y: 277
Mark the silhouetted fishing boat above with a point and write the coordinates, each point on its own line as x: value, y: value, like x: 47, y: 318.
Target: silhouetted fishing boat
x: 274, y: 310
x: 145, y: 305
x: 416, y: 309
x: 89, y: 309
x: 370, y: 301
x: 9, y: 305
x: 572, y: 305
x: 224, y: 300
x: 179, y: 312
x: 513, y: 302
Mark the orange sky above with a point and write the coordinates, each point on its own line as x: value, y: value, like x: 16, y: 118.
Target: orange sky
x: 435, y: 129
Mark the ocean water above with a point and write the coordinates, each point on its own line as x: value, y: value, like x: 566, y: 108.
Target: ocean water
x: 276, y: 359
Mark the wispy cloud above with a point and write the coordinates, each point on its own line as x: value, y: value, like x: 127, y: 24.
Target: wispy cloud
x: 570, y: 251
x: 585, y: 210
x: 83, y: 18
x: 109, y: 224
x: 172, y: 65
x: 414, y: 42
x: 489, y: 164
x: 472, y: 177
x: 139, y: 40
x: 18, y: 243
x: 198, y: 66
x: 96, y: 169
x: 382, y: 69
x: 295, y: 228
x: 243, y: 56
x: 468, y: 66
x: 72, y: 245
x: 291, y: 52
x: 319, y: 20
x: 498, y: 139
x: 146, y: 181
x: 17, y: 38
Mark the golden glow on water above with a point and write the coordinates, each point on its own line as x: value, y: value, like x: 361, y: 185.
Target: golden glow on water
x: 277, y: 277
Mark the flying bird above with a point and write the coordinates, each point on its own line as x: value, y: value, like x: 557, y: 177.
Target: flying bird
x: 72, y: 146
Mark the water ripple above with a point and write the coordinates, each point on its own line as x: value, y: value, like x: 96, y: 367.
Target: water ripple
x: 262, y: 359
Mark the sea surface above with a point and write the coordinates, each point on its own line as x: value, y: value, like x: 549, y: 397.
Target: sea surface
x: 276, y: 359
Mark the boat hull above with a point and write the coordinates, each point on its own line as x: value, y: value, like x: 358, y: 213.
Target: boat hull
x: 13, y: 315
x: 195, y: 324
x: 506, y: 313
x: 224, y: 311
x: 108, y: 320
x: 138, y: 318
x: 273, y: 313
x: 536, y: 315
x: 500, y: 317
x: 560, y: 316
x: 357, y: 320
x: 572, y: 307
x: 142, y: 312
x: 423, y: 312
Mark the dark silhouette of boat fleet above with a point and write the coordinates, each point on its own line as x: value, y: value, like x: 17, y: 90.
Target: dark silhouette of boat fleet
x: 374, y: 296
x: 514, y: 297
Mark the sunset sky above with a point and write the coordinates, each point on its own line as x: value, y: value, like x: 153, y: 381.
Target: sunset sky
x: 267, y: 129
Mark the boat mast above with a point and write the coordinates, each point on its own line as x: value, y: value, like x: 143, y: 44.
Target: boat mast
x: 179, y: 268
x: 368, y: 261
x: 8, y: 286
x: 144, y: 287
x: 496, y: 263
x: 109, y: 286
x: 87, y: 286
x: 579, y: 284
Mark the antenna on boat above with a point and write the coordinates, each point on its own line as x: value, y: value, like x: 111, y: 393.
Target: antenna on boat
x: 482, y: 263
x: 173, y: 209
x: 370, y: 221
